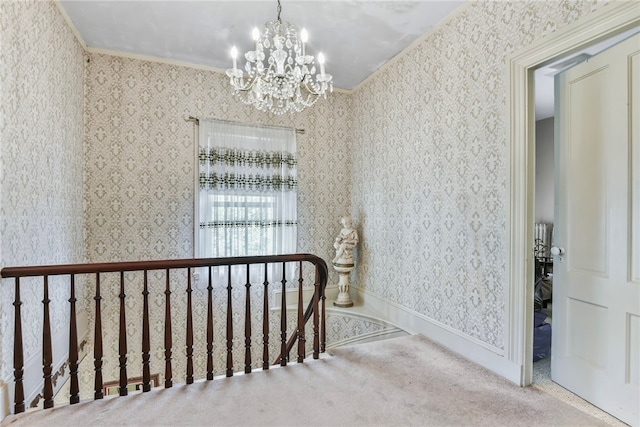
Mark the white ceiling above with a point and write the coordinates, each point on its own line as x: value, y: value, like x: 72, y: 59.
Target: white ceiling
x: 356, y: 37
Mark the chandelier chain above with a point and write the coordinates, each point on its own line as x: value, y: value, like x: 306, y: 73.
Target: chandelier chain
x: 279, y: 10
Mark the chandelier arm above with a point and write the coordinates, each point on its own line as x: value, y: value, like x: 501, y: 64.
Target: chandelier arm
x: 311, y: 91
x: 309, y: 101
x: 246, y: 88
x: 288, y: 68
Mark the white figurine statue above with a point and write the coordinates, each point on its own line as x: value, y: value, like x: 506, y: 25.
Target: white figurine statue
x: 343, y: 261
x: 345, y: 242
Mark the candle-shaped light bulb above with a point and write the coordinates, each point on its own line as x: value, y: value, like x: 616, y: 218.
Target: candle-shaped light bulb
x: 234, y: 56
x: 321, y: 62
x: 303, y: 38
x: 256, y: 36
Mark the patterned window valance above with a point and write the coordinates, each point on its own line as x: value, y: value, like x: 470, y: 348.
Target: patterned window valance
x: 231, y: 181
x: 247, y: 158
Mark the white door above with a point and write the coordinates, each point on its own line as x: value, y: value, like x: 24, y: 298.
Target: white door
x: 596, y: 289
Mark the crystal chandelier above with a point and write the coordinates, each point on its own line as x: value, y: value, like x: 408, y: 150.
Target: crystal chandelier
x: 280, y: 77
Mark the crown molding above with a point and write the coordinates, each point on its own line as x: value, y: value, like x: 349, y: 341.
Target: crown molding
x: 156, y: 59
x: 171, y: 62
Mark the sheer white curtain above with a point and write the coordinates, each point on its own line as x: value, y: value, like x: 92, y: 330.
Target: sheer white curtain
x: 247, y: 190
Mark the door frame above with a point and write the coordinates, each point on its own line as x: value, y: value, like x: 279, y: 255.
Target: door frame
x: 610, y: 20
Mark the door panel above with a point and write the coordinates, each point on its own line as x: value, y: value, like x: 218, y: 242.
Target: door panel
x: 596, y: 294
x: 587, y: 232
x: 586, y: 331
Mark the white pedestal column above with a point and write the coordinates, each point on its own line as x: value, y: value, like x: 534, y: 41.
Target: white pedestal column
x: 343, y: 299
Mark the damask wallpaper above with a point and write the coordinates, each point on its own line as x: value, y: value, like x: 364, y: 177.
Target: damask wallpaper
x: 140, y: 158
x: 139, y: 184
x: 41, y: 162
x: 430, y: 165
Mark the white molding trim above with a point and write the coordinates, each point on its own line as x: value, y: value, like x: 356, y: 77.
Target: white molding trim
x: 391, y: 332
x: 469, y: 347
x: 606, y: 22
x: 175, y: 62
x: 150, y: 58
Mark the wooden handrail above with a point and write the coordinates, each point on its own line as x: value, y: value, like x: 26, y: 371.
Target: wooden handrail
x: 315, y: 308
x: 110, y: 267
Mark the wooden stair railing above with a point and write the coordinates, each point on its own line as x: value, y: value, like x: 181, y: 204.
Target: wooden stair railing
x: 302, y: 320
x: 315, y: 308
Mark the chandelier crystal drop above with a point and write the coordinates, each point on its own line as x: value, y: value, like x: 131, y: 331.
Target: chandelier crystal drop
x: 279, y: 76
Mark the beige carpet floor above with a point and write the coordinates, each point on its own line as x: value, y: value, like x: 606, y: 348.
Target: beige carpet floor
x: 406, y: 381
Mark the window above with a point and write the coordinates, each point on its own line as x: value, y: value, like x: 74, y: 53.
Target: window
x: 247, y: 182
x: 245, y: 232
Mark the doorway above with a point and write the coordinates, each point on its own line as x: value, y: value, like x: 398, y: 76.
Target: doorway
x: 545, y: 190
x: 606, y: 23
x: 545, y: 120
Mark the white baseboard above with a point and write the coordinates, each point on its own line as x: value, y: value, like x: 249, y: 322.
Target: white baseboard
x: 392, y: 332
x: 471, y: 348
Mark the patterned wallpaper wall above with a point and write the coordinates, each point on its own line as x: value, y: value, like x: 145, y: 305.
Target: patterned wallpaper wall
x: 430, y: 165
x: 139, y: 160
x: 139, y: 183
x: 41, y: 161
